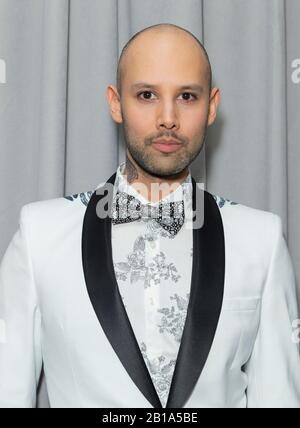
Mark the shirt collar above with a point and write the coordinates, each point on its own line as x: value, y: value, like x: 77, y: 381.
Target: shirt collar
x: 122, y: 185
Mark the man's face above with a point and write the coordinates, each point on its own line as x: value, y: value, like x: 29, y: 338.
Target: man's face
x: 165, y: 110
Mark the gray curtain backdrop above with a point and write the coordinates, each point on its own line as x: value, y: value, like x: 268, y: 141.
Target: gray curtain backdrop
x: 57, y: 136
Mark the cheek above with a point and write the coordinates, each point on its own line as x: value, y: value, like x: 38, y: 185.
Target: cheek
x: 139, y: 122
x: 194, y: 123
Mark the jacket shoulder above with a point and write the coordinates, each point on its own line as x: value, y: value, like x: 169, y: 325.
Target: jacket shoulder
x: 53, y: 212
x: 62, y: 201
x: 244, y: 221
x: 229, y: 207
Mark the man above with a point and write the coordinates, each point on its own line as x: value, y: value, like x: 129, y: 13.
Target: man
x: 139, y: 308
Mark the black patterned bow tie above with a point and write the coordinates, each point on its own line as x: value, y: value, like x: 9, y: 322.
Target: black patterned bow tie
x: 169, y: 215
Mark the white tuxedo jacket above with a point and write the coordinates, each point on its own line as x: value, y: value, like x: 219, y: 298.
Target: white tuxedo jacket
x: 60, y: 306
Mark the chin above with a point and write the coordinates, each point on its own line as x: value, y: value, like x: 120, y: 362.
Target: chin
x: 165, y: 172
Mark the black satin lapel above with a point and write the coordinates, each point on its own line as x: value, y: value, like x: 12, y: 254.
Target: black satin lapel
x: 107, y: 302
x: 206, y: 296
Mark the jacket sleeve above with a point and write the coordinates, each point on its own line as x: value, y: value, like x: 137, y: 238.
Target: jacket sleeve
x: 20, y: 323
x: 273, y: 369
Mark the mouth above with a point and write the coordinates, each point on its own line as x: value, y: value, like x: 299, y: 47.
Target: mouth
x: 167, y: 146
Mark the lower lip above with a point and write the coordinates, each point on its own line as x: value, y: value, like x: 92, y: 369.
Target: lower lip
x: 167, y: 148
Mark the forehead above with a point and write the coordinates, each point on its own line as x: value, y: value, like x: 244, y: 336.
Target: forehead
x: 164, y: 58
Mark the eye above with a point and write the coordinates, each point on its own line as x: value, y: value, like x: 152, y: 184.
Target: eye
x: 188, y: 93
x: 144, y: 92
x: 149, y: 93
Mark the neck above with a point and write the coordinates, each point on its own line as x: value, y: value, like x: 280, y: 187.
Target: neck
x: 151, y: 187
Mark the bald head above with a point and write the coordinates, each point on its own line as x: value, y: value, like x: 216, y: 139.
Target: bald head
x: 157, y: 34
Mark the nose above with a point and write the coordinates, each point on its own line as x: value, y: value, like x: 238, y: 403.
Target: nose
x: 167, y: 116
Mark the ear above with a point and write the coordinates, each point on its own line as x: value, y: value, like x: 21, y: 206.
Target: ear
x: 213, y: 105
x: 113, y: 99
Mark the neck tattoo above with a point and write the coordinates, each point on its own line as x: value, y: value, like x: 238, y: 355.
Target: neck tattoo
x: 130, y: 171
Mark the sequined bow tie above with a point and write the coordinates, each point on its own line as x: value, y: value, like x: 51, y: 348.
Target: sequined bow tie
x: 169, y: 215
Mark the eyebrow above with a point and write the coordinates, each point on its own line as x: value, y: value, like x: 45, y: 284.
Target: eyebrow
x: 193, y: 86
